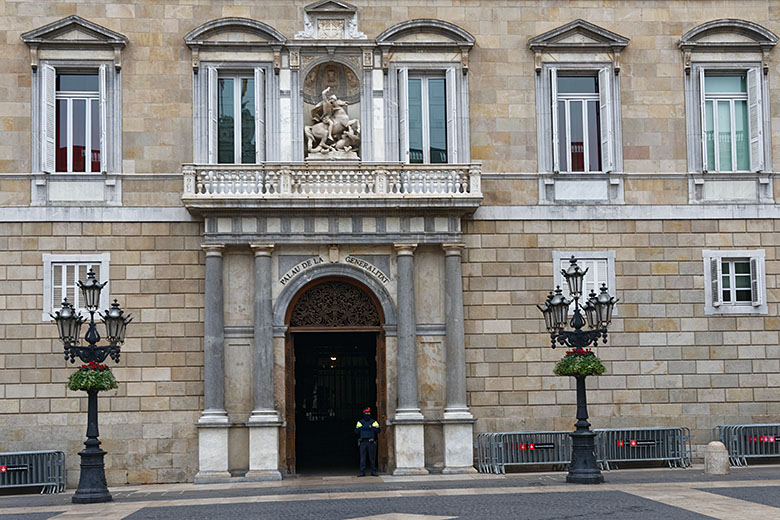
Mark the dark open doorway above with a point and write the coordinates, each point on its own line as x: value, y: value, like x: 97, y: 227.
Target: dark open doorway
x: 335, y: 378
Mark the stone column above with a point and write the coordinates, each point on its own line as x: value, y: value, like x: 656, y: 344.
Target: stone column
x: 457, y: 420
x: 264, y: 422
x: 408, y: 421
x: 213, y: 423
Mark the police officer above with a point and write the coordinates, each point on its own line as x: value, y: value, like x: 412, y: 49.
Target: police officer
x: 367, y: 430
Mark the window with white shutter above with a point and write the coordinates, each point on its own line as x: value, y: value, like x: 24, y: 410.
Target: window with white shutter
x: 61, y: 274
x: 735, y: 282
x: 600, y: 266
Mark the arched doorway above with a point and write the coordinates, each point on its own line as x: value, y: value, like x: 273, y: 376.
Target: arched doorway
x: 335, y: 367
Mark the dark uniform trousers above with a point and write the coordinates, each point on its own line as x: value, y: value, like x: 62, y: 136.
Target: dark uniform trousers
x: 367, y: 429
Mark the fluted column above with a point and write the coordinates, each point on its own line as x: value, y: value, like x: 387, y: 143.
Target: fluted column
x: 264, y: 422
x: 213, y: 423
x: 407, y: 332
x: 214, y: 338
x: 408, y: 421
x: 263, y: 348
x: 458, y: 421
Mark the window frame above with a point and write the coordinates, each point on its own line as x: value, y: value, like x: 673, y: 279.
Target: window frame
x: 611, y: 143
x: 425, y: 110
x: 713, y: 262
x: 561, y: 258
x: 69, y: 96
x: 44, y: 115
x: 205, y: 109
x: 585, y: 99
x: 759, y: 134
x: 237, y: 77
x: 396, y: 108
x: 50, y: 261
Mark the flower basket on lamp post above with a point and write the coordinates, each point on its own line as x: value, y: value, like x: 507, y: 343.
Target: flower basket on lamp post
x: 580, y: 361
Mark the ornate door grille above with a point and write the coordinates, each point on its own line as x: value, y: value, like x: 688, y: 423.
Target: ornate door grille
x: 335, y: 304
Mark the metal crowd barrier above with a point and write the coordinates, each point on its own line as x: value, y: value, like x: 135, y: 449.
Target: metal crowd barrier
x: 496, y: 451
x: 670, y: 445
x: 744, y: 441
x: 33, y: 468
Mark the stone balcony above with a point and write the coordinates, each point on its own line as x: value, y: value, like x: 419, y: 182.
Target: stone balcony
x: 441, y: 188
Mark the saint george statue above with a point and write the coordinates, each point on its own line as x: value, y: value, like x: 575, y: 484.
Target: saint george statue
x: 333, y: 135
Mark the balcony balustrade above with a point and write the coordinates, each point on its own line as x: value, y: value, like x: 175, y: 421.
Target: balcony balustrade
x: 328, y: 184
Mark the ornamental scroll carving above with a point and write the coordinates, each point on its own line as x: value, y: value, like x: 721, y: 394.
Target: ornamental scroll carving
x: 334, y: 304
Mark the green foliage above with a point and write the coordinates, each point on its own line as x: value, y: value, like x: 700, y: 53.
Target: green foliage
x: 579, y: 362
x: 92, y: 376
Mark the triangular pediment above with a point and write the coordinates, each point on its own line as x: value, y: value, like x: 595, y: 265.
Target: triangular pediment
x: 331, y: 7
x: 73, y: 30
x: 728, y: 33
x: 578, y: 35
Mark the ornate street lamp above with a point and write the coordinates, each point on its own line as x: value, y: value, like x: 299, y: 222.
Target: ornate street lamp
x: 583, y: 468
x: 92, y: 481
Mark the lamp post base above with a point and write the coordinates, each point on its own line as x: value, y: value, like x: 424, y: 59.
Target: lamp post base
x: 583, y: 468
x: 92, y: 481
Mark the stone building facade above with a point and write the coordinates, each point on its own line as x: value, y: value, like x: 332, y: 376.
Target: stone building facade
x: 276, y: 295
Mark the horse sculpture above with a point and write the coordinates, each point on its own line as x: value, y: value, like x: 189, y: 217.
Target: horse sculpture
x: 333, y: 130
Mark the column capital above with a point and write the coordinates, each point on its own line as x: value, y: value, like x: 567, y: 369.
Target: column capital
x: 453, y: 248
x: 262, y: 249
x: 213, y: 249
x: 404, y: 249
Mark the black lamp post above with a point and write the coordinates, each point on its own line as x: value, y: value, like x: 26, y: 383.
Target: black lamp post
x: 583, y: 468
x: 92, y: 481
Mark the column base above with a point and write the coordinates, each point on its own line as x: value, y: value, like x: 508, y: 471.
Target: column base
x: 409, y: 443
x: 213, y: 447
x: 264, y: 445
x: 458, y: 441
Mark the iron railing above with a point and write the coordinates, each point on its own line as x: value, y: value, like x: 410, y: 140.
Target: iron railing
x: 747, y: 441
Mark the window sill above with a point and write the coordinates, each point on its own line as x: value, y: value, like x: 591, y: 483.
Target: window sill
x: 76, y: 188
x: 585, y: 188
x: 735, y: 187
x: 728, y: 310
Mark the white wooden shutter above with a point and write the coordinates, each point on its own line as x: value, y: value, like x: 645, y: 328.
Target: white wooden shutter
x: 48, y: 118
x: 755, y: 119
x: 103, y: 119
x: 452, y: 115
x: 703, y: 117
x: 259, y: 115
x: 716, y: 273
x: 554, y: 96
x: 403, y: 112
x: 755, y: 286
x: 212, y: 109
x: 605, y: 113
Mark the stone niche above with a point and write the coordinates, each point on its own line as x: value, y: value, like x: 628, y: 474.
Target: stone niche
x: 343, y: 83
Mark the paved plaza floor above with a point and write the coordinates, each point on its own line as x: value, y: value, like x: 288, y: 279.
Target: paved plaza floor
x: 748, y: 493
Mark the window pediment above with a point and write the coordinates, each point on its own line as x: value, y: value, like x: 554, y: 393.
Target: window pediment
x: 578, y: 35
x: 728, y: 34
x: 75, y: 34
x: 413, y: 32
x: 235, y: 35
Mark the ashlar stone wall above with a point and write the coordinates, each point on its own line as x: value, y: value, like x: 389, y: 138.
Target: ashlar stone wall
x: 668, y: 364
x: 147, y: 425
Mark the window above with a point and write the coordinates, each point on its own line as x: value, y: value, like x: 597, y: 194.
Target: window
x: 61, y: 274
x: 732, y: 121
x: 427, y: 120
x: 581, y: 121
x: 236, y: 119
x: 579, y: 134
x: 236, y: 116
x: 76, y: 100
x: 727, y: 98
x: 734, y: 282
x: 600, y: 267
x: 80, y: 120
